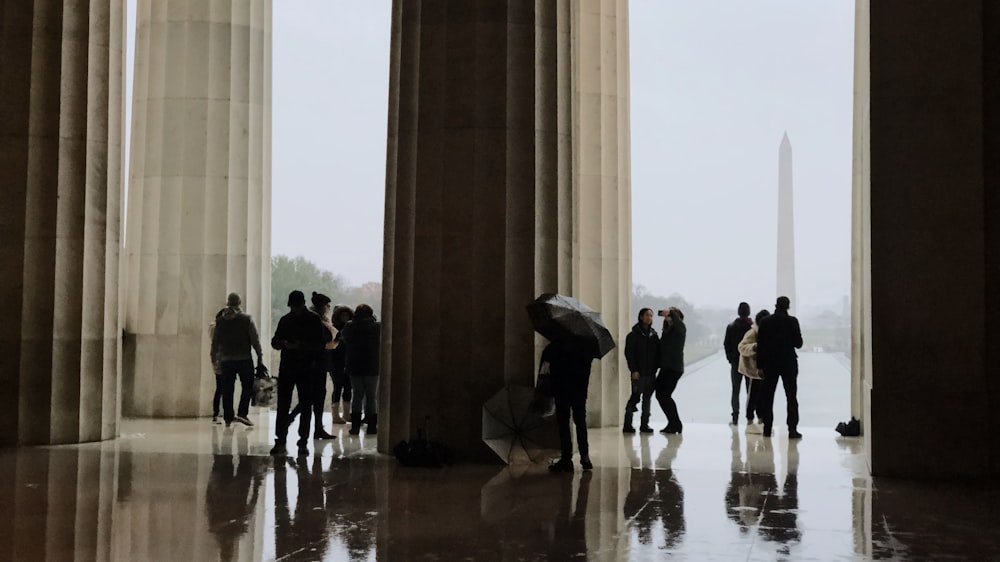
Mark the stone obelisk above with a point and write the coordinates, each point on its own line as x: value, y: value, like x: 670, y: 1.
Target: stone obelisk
x: 786, y: 223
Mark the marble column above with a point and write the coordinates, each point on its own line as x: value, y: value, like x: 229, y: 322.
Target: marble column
x: 199, y: 200
x: 60, y: 168
x: 507, y: 176
x: 928, y: 161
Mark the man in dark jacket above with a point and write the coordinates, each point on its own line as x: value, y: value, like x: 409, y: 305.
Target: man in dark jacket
x: 234, y: 336
x: 300, y: 336
x: 734, y: 334
x: 570, y: 375
x: 642, y: 353
x: 362, y: 336
x: 778, y: 336
x: 671, y: 366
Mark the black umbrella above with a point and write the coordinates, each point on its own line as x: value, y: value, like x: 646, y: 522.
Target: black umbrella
x: 570, y: 322
x: 514, y: 430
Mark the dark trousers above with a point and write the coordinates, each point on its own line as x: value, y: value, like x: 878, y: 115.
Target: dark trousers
x: 243, y: 369
x: 341, y: 388
x: 737, y: 381
x: 220, y: 384
x: 287, y: 381
x: 789, y: 375
x: 641, y: 389
x: 573, y: 402
x: 666, y: 382
x: 317, y: 393
x: 754, y: 390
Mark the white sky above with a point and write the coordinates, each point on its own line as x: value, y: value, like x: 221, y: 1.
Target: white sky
x: 715, y: 83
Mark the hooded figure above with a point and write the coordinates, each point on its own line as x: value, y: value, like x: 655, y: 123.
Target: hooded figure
x: 233, y: 338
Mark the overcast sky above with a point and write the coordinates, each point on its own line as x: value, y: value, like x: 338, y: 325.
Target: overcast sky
x: 715, y: 84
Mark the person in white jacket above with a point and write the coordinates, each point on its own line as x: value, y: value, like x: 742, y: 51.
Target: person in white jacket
x: 748, y: 368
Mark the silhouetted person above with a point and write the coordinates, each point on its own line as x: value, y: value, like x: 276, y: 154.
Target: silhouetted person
x: 642, y: 352
x: 748, y: 368
x: 320, y: 368
x: 777, y: 339
x: 734, y: 333
x: 362, y: 336
x: 569, y: 370
x: 672, y: 339
x: 233, y: 338
x: 341, y: 382
x: 300, y: 336
x: 230, y: 499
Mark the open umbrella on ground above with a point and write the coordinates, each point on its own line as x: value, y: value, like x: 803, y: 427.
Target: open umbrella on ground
x: 514, y: 431
x: 570, y: 322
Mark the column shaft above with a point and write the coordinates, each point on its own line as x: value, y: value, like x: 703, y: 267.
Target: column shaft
x: 60, y: 165
x: 492, y: 196
x: 199, y: 203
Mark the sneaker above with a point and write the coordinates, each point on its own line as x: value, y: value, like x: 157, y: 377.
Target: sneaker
x: 793, y: 434
x: 279, y: 449
x: 670, y: 430
x: 754, y: 429
x: 628, y: 429
x: 586, y: 464
x: 645, y: 429
x: 562, y: 465
x: 243, y: 420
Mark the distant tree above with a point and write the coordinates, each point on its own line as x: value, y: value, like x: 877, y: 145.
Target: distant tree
x: 369, y: 293
x: 289, y: 274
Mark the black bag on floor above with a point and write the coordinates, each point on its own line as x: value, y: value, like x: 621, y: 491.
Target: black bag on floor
x: 849, y: 429
x: 421, y: 451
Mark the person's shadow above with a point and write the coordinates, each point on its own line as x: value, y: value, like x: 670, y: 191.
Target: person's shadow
x: 655, y: 497
x: 301, y: 536
x: 569, y: 530
x: 779, y: 517
x: 231, y: 496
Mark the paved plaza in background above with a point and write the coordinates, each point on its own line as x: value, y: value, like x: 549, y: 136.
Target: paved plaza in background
x: 702, y: 394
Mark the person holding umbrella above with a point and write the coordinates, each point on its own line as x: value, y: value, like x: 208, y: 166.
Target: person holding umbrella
x: 578, y: 335
x: 570, y: 372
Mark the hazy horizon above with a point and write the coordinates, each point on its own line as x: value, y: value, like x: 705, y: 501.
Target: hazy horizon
x: 714, y: 86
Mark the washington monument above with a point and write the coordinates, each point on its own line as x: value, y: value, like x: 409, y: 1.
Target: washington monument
x: 786, y: 223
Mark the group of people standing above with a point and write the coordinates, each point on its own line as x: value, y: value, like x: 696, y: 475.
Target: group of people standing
x: 316, y: 342
x: 656, y: 364
x: 760, y: 353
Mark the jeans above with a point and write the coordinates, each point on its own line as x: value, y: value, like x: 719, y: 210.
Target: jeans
x: 666, y: 382
x: 737, y: 380
x: 220, y: 385
x: 242, y: 368
x: 641, y: 389
x: 317, y: 394
x: 365, y: 397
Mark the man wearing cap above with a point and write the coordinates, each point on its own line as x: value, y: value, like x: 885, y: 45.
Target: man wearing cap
x: 778, y: 336
x: 301, y: 337
x: 232, y: 339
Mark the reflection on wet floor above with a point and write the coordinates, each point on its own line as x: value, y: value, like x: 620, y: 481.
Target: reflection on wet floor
x: 186, y: 490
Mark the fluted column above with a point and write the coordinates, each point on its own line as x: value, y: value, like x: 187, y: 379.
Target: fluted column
x: 507, y: 176
x: 60, y: 168
x: 199, y: 199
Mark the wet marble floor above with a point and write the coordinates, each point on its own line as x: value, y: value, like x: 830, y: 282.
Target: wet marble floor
x: 189, y: 490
